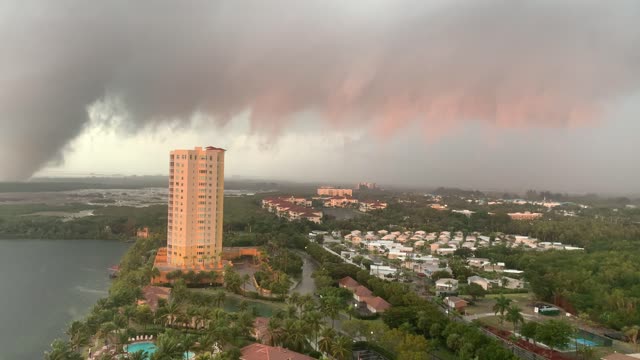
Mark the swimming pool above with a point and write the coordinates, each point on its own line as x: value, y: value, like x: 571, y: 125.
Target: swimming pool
x: 586, y: 342
x: 150, y: 348
x: 577, y: 342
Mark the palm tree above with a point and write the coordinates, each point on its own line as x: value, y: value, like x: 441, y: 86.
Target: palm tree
x: 171, y: 312
x: 514, y: 316
x: 292, y: 312
x: 326, y: 340
x: 314, y: 323
x: 60, y: 350
x: 341, y: 349
x: 243, y: 305
x: 138, y: 355
x: 78, y: 335
x: 221, y: 334
x: 155, y: 272
x: 293, y: 333
x: 106, y: 329
x: 205, y: 356
x: 129, y: 312
x: 294, y: 299
x: 217, y: 314
x: 192, y: 313
x: 307, y: 302
x: 168, y: 346
x: 219, y: 297
x: 275, y: 330
x: 331, y: 307
x: 201, y: 317
x: 501, y: 306
x: 632, y: 333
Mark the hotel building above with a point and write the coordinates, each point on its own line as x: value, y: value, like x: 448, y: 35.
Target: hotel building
x: 196, y: 195
x: 331, y: 191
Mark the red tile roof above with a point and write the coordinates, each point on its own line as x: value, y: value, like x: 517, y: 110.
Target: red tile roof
x: 264, y: 352
x: 286, y: 204
x: 362, y: 291
x: 348, y: 282
x: 377, y: 303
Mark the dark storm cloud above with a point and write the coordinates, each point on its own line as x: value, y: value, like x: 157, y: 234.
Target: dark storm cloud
x: 375, y: 64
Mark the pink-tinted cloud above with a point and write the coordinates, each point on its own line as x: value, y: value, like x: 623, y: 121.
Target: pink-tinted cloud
x: 379, y: 65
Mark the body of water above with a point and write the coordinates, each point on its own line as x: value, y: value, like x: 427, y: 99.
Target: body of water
x: 46, y: 284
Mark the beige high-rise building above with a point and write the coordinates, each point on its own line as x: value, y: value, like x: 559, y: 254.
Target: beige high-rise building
x: 196, y: 195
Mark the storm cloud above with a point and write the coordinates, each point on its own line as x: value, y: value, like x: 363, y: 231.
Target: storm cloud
x: 378, y: 65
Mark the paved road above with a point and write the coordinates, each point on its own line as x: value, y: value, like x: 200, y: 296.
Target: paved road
x: 306, y: 284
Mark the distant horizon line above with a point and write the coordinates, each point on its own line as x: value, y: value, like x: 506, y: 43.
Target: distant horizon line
x: 71, y: 175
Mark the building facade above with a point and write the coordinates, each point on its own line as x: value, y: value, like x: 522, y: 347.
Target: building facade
x: 196, y: 195
x: 331, y: 191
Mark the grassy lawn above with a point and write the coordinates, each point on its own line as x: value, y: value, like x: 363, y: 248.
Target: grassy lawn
x: 483, y: 306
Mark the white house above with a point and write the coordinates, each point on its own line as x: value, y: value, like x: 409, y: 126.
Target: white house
x: 447, y: 284
x: 484, y: 283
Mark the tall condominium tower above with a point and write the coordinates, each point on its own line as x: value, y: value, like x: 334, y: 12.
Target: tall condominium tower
x: 196, y: 195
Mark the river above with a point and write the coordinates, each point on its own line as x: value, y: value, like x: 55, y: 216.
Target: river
x: 44, y: 285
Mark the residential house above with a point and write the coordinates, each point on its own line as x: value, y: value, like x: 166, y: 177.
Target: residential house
x: 524, y: 215
x: 446, y: 251
x: 361, y: 293
x: 366, y: 206
x: 446, y: 285
x: 478, y: 262
x: 438, y: 207
x: 348, y: 283
x: 484, y: 283
x: 382, y: 271
x: 377, y: 304
x: 455, y: 303
x: 512, y: 283
x: 340, y: 201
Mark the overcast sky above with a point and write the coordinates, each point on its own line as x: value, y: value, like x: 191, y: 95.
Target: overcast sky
x: 488, y: 94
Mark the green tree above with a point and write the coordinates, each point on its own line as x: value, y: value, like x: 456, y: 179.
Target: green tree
x: 556, y: 334
x: 341, y: 348
x: 476, y: 291
x: 331, y: 306
x: 293, y: 332
x: 529, y: 329
x: 313, y: 320
x: 501, y: 306
x: 170, y: 313
x: 144, y: 315
x: 325, y: 345
x: 219, y: 297
x: 138, y: 355
x: 514, y: 316
x: 78, y: 335
x: 232, y: 280
x: 169, y: 346
x: 61, y: 350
